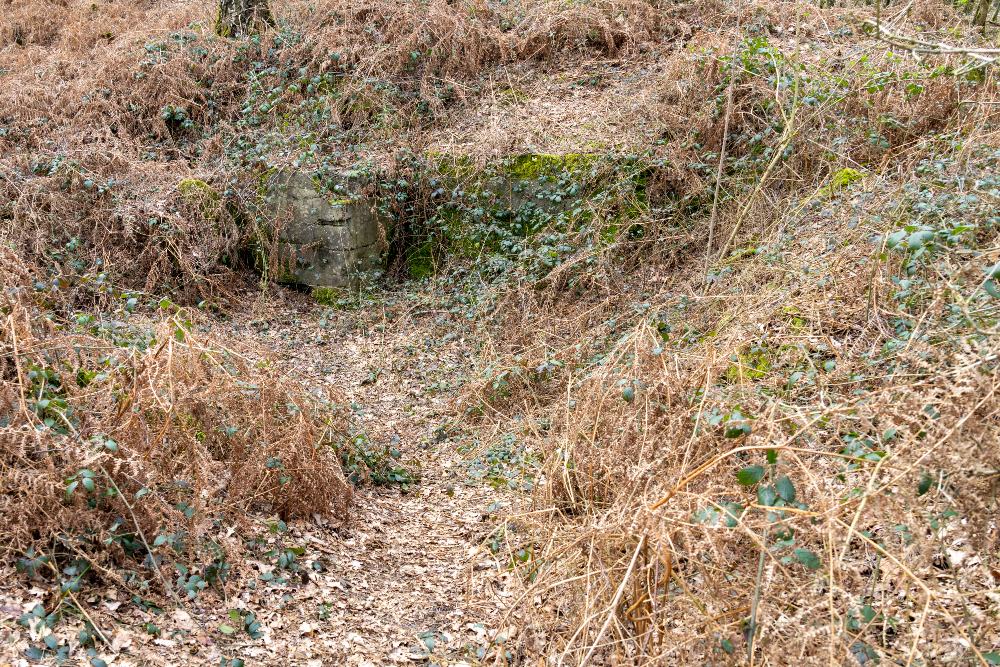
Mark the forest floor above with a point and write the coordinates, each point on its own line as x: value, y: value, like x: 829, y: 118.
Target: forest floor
x: 407, y: 578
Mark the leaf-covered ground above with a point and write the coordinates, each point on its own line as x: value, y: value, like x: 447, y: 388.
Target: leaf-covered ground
x: 409, y: 577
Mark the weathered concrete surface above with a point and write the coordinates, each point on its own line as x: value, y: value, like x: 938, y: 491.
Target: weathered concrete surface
x: 323, y: 242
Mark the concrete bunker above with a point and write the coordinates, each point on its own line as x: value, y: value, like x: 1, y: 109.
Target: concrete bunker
x: 322, y: 241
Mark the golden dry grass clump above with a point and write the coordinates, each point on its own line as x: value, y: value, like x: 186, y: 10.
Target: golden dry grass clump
x: 120, y: 441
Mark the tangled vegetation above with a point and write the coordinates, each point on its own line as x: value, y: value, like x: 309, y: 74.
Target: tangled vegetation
x: 735, y: 270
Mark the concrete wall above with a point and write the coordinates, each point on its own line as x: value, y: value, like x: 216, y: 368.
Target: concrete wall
x: 323, y: 242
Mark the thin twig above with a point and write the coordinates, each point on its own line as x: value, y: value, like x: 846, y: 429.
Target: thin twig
x: 722, y: 151
x: 614, y: 602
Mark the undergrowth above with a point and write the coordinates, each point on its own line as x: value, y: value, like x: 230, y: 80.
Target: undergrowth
x: 131, y: 443
x: 755, y: 339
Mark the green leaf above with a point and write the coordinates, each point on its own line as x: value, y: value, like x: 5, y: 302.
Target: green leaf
x: 785, y: 489
x: 766, y: 496
x: 707, y: 515
x: 750, y: 475
x: 868, y: 613
x: 727, y: 646
x: 919, y: 239
x: 772, y: 456
x: 993, y: 657
x: 737, y: 429
x: 733, y: 512
x: 808, y: 558
x: 895, y: 238
x: 992, y: 288
x: 925, y: 484
x: 227, y: 629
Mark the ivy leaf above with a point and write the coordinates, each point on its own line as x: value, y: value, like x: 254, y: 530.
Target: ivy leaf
x: 868, y: 613
x: 733, y: 512
x: 895, y: 238
x: 737, y: 429
x: 785, y: 489
x: 808, y: 558
x: 919, y: 239
x: 750, y: 475
x: 767, y: 496
x: 925, y: 484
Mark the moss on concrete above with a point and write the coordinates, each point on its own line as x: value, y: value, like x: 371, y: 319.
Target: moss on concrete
x: 328, y: 296
x: 545, y: 165
x: 200, y: 194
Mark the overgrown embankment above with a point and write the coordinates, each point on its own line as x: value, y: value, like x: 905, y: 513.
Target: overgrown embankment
x: 766, y: 419
x: 734, y: 268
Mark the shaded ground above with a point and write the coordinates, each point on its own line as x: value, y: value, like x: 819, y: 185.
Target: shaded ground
x: 407, y: 578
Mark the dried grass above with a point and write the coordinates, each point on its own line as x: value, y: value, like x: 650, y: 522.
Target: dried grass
x: 621, y: 569
x: 202, y: 434
x: 631, y: 560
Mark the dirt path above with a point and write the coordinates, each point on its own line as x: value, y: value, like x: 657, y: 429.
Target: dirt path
x: 407, y: 578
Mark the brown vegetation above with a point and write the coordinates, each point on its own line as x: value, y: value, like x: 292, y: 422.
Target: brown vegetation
x: 122, y: 440
x: 769, y: 432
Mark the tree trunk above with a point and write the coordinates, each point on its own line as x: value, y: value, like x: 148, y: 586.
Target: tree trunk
x: 238, y: 18
x: 982, y: 11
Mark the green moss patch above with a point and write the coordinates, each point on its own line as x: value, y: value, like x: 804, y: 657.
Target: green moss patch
x: 752, y: 365
x: 197, y: 193
x: 328, y: 296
